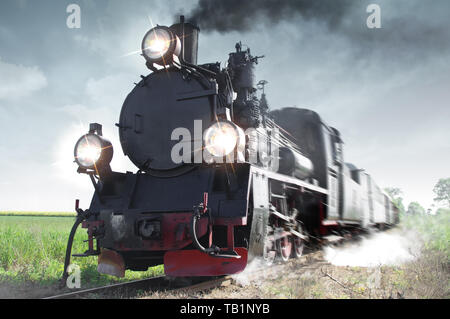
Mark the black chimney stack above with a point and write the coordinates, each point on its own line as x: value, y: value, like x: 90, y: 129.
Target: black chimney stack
x: 188, y: 34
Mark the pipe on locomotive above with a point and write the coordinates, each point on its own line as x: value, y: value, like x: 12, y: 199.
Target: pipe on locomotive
x: 188, y: 33
x: 82, y: 215
x: 192, y: 231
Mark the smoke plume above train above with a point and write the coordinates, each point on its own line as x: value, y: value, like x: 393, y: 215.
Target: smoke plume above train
x: 344, y: 19
x: 237, y: 15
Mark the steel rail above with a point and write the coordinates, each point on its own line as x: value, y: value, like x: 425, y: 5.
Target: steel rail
x: 156, y: 282
x: 149, y: 284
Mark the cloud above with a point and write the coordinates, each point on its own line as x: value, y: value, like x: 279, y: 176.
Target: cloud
x: 18, y: 81
x: 103, y: 102
x: 110, y: 90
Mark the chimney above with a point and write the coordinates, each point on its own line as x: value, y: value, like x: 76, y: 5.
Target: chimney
x: 188, y: 34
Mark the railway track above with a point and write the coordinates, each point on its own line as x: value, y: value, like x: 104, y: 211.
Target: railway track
x: 160, y: 283
x: 148, y: 283
x: 182, y: 285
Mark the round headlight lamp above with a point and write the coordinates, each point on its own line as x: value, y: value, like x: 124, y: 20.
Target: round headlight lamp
x: 160, y: 44
x: 93, y: 151
x: 221, y: 138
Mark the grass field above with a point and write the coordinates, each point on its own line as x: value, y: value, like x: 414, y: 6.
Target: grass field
x: 434, y: 230
x: 43, y: 214
x: 32, y: 249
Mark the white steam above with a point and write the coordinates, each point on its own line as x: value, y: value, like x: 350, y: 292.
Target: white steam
x: 384, y: 248
x: 253, y: 273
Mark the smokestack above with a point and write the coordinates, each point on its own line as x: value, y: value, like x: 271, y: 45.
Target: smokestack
x: 188, y: 34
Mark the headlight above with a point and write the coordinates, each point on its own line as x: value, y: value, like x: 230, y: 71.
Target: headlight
x: 221, y: 138
x: 160, y: 44
x: 92, y: 151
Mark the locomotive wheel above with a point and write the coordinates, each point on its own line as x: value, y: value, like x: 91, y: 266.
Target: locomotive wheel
x: 269, y: 252
x: 284, y: 247
x: 298, y: 244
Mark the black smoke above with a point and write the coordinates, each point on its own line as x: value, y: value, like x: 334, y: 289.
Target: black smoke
x: 406, y: 32
x: 242, y: 15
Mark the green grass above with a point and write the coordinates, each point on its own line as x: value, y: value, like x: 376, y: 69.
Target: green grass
x: 435, y: 230
x: 428, y: 276
x: 32, y: 249
x: 45, y: 214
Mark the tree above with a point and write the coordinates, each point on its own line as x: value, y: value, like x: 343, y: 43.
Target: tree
x: 396, y: 193
x: 415, y: 208
x: 442, y: 191
x: 442, y: 211
x: 393, y: 191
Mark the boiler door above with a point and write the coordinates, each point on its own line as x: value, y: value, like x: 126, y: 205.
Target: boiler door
x: 159, y: 104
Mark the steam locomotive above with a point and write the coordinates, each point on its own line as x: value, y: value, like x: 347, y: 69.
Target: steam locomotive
x: 221, y: 179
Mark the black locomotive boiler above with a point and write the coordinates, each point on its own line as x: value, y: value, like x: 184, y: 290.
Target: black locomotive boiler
x: 220, y: 178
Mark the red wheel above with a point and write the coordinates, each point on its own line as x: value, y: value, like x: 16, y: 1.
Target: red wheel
x: 284, y: 247
x: 298, y: 244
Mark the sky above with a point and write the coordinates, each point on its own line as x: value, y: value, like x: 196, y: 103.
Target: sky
x: 386, y: 90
